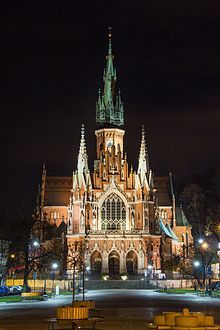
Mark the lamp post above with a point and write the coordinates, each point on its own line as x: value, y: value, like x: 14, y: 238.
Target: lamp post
x: 54, y: 267
x: 204, y: 247
x: 196, y: 264
x: 150, y: 269
x: 40, y: 252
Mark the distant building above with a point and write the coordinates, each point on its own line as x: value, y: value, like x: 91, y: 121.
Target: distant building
x: 128, y: 216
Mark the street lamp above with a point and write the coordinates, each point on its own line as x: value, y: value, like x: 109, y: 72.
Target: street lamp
x: 204, y: 245
x: 196, y: 263
x: 54, y: 267
x: 36, y: 243
x: 200, y: 240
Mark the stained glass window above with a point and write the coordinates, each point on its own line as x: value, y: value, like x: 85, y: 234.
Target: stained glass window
x: 113, y: 213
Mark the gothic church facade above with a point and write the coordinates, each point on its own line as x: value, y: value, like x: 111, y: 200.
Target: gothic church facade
x: 128, y: 218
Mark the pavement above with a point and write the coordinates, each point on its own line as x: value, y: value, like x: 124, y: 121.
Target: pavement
x: 121, y: 309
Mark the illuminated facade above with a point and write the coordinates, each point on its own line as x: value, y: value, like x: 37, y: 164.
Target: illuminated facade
x: 129, y: 217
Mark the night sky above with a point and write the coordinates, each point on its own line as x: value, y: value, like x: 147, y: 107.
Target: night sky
x: 167, y: 56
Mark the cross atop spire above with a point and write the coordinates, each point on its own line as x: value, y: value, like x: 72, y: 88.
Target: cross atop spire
x: 108, y: 111
x: 109, y: 40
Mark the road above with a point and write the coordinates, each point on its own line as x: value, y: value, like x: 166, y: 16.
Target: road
x: 122, y: 309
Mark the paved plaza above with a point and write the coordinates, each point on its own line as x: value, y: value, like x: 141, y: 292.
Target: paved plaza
x: 122, y: 309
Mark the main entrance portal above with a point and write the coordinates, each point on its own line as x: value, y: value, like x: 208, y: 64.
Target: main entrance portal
x: 113, y: 263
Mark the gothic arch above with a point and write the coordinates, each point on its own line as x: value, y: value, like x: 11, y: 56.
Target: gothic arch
x: 96, y: 262
x: 113, y: 188
x: 132, y: 262
x: 114, y: 262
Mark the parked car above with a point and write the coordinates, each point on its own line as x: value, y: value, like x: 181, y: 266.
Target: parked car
x: 20, y: 288
x: 4, y: 290
x: 14, y: 290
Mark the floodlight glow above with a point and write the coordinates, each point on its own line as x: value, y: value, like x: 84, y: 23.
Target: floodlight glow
x: 205, y: 245
x: 200, y: 240
x: 196, y: 263
x: 87, y: 268
x: 35, y: 243
x: 124, y: 277
x: 54, y: 265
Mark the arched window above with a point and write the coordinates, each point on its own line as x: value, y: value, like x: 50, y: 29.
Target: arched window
x: 113, y: 213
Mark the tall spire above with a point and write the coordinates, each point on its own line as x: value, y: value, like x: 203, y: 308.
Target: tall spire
x: 82, y: 165
x: 143, y: 163
x: 82, y: 149
x: 106, y: 110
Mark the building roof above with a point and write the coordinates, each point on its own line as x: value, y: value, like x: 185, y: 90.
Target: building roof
x: 164, y: 229
x: 57, y: 190
x: 181, y: 219
x: 172, y: 232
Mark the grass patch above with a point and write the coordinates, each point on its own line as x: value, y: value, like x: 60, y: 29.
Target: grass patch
x: 10, y: 299
x: 216, y: 294
x: 180, y: 291
x: 66, y: 293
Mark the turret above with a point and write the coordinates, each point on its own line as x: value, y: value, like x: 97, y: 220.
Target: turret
x: 173, y: 200
x: 143, y: 163
x: 82, y: 176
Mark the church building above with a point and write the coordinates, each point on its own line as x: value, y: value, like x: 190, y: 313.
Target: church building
x: 128, y: 217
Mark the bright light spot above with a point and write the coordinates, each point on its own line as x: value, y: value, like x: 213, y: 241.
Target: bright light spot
x: 200, y: 241
x: 54, y: 265
x: 196, y: 263
x: 105, y: 277
x: 12, y: 255
x: 205, y: 245
x: 150, y: 267
x: 124, y: 277
x: 87, y: 268
x: 35, y: 243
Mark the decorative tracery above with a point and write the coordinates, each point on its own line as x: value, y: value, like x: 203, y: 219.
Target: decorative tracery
x: 113, y: 213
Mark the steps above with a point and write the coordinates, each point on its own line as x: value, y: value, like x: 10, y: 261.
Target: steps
x: 118, y: 284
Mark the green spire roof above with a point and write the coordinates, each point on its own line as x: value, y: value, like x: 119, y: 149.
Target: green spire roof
x: 109, y: 107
